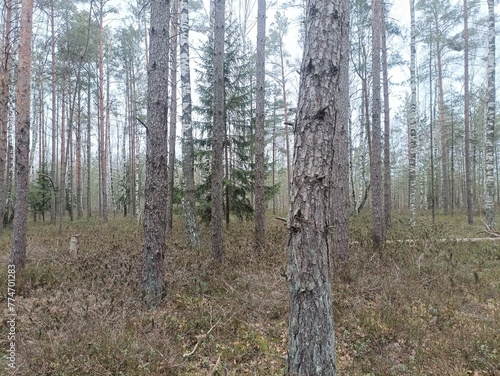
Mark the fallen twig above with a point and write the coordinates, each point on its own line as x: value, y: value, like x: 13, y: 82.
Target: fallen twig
x: 200, y: 340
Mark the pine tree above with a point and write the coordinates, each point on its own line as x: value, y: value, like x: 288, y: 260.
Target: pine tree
x: 322, y: 109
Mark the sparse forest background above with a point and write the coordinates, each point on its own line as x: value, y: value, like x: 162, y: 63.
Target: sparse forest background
x: 415, y: 186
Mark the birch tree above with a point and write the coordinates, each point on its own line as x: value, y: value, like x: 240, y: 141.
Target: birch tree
x: 323, y: 103
x: 489, y: 154
x: 187, y: 131
x: 4, y: 105
x: 412, y: 146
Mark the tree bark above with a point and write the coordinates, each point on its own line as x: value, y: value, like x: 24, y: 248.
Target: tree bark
x: 174, y: 32
x: 387, y: 161
x: 187, y: 132
x: 375, y: 156
x: 218, y: 134
x: 4, y: 108
x: 102, y: 120
x: 321, y: 108
x: 489, y: 156
x: 23, y: 103
x: 468, y: 181
x: 260, y: 200
x: 153, y: 269
x: 412, y: 176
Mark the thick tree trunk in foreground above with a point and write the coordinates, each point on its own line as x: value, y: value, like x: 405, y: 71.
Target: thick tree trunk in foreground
x: 218, y: 134
x: 187, y: 132
x: 23, y: 103
x: 489, y: 155
x: 153, y: 269
x: 260, y: 200
x: 322, y: 105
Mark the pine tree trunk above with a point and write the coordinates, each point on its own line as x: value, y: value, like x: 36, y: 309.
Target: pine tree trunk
x: 4, y: 108
x: 53, y: 167
x: 23, y: 103
x: 187, y: 132
x: 375, y: 157
x: 321, y: 107
x: 153, y: 269
x: 489, y: 156
x: 89, y: 147
x: 218, y: 134
x: 174, y: 31
x: 260, y: 200
x: 468, y: 181
x: 412, y: 176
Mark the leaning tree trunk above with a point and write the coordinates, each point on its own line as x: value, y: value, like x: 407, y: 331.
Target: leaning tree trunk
x: 187, y: 132
x: 260, y: 200
x: 153, y: 269
x: 375, y: 156
x: 218, y: 134
x: 321, y: 109
x: 23, y: 103
x: 412, y: 178
x: 489, y: 156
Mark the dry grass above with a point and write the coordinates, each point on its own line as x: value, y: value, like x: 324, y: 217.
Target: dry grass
x: 425, y: 308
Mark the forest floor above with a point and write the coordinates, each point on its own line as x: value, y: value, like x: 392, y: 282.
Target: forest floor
x: 422, y: 308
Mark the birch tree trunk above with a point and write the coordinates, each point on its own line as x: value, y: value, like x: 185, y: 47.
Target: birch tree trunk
x: 23, y: 103
x: 187, y: 132
x: 260, y: 69
x: 218, y: 134
x: 375, y: 156
x: 174, y: 32
x: 4, y: 108
x: 412, y: 176
x: 153, y: 269
x: 387, y: 161
x: 322, y: 97
x: 489, y: 156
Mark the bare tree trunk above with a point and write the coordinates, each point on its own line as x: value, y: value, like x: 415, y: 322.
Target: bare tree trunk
x: 62, y: 172
x: 153, y: 268
x: 102, y: 121
x: 218, y: 134
x: 375, y: 157
x: 260, y: 200
x: 174, y: 31
x: 413, y: 121
x: 78, y: 160
x: 489, y: 156
x: 468, y: 180
x: 53, y: 167
x: 387, y: 162
x: 89, y: 146
x: 187, y: 132
x: 4, y: 108
x: 323, y: 94
x: 23, y: 103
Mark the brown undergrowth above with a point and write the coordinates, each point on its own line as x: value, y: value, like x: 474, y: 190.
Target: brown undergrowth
x: 425, y: 308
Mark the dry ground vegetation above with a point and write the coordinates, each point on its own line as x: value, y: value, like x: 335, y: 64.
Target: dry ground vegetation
x: 421, y: 308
